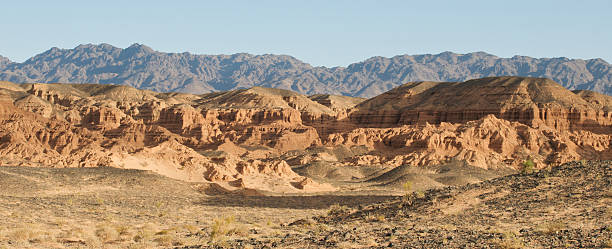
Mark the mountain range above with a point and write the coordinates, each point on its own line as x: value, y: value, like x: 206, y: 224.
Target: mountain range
x: 144, y: 68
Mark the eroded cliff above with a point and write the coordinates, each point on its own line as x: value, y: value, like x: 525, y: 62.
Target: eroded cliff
x: 251, y: 138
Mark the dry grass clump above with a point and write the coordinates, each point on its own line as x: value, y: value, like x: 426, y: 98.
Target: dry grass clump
x: 375, y: 218
x: 79, y: 235
x: 98, y: 200
x: 28, y: 234
x: 23, y: 235
x: 407, y: 186
x: 552, y: 227
x: 509, y: 240
x: 145, y: 232
x: 337, y: 209
x: 226, y: 226
x: 107, y: 233
x: 371, y: 242
x: 168, y: 240
x: 103, y: 233
x: 191, y: 229
x: 122, y: 229
x: 608, y: 243
x: 320, y: 228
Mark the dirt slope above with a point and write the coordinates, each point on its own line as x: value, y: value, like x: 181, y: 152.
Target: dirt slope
x: 568, y: 206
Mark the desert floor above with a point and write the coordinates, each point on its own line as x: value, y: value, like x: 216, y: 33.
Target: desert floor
x: 568, y: 206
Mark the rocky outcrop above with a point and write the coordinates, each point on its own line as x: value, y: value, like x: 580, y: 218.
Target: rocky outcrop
x: 255, y: 138
x: 530, y: 101
x: 106, y: 136
x: 487, y: 143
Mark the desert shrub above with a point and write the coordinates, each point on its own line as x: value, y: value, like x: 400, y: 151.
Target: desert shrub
x: 400, y: 213
x: 337, y: 209
x: 122, y: 229
x: 407, y: 186
x: 528, y: 167
x: 160, y: 208
x: 226, y: 226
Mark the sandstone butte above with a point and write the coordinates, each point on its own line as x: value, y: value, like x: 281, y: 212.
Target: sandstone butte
x: 248, y: 139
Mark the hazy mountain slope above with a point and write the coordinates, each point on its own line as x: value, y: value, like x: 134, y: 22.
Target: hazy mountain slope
x: 4, y: 61
x: 142, y: 67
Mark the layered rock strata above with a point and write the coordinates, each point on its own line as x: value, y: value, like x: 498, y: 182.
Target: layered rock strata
x: 238, y: 137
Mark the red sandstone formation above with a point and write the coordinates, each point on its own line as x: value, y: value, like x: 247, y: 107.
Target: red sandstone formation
x: 531, y: 101
x: 239, y: 137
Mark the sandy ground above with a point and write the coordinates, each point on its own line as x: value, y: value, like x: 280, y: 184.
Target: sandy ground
x: 566, y: 207
x: 115, y: 208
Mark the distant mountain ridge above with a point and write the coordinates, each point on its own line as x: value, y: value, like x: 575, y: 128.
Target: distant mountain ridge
x: 142, y: 67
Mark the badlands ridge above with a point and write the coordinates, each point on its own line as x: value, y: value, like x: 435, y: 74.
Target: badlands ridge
x: 261, y: 138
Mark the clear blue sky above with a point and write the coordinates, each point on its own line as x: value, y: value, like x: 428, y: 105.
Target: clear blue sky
x: 328, y: 33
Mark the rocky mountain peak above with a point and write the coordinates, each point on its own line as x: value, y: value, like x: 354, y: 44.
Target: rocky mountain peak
x: 142, y: 67
x: 140, y: 48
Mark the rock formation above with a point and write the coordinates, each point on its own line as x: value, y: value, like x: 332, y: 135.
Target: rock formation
x: 251, y: 138
x: 530, y: 101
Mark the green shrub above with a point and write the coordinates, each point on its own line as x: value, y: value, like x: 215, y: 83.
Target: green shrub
x: 407, y: 186
x: 528, y: 166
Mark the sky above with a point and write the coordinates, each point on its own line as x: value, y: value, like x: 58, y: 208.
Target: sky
x: 322, y: 33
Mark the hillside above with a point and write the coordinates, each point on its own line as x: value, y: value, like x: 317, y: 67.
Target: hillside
x: 566, y: 207
x: 142, y: 67
x: 527, y: 100
x: 281, y: 141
